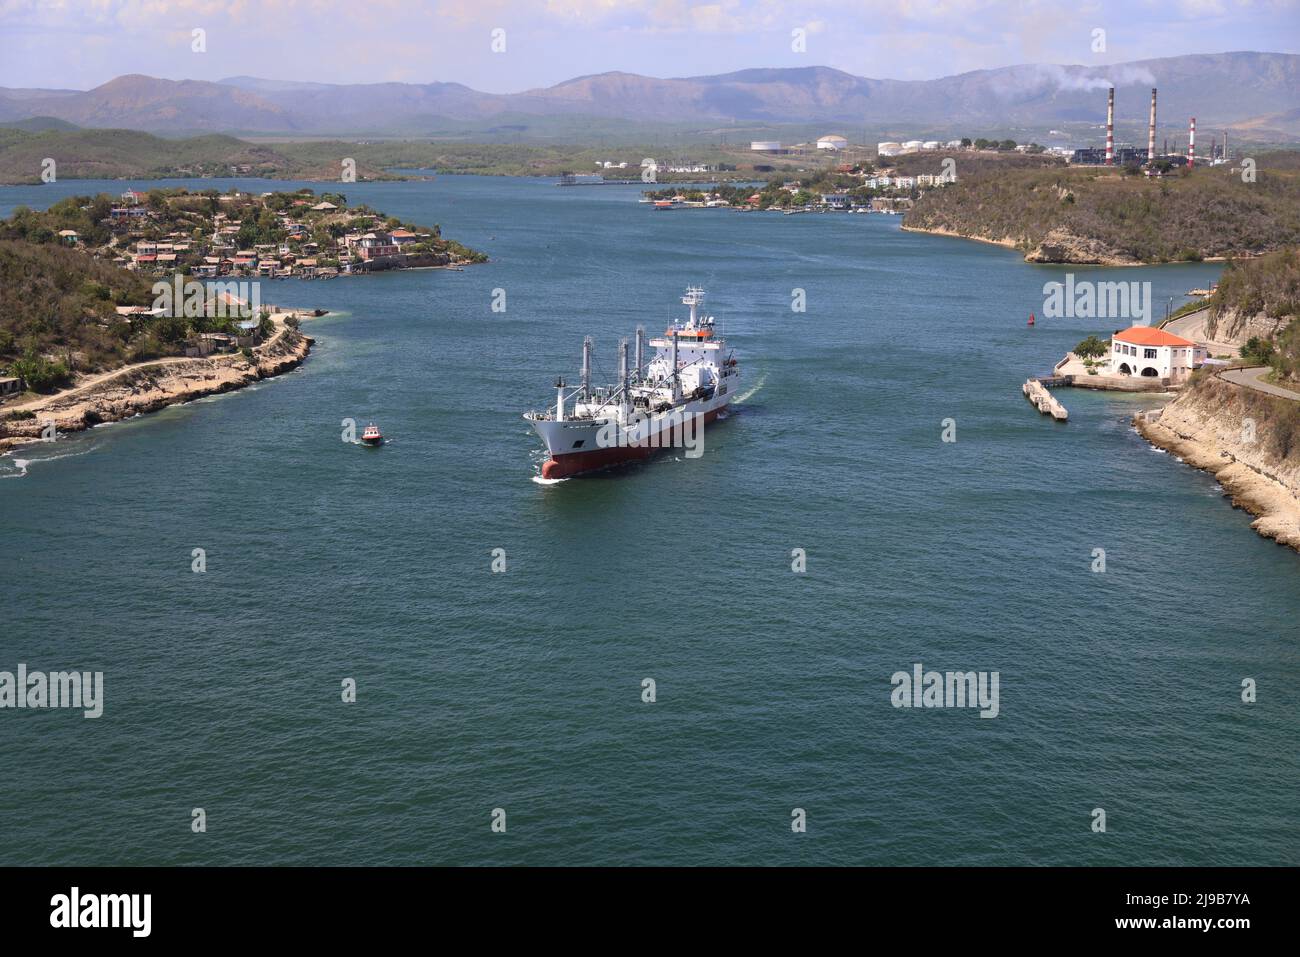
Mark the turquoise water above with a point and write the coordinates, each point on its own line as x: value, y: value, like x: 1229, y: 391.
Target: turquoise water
x: 522, y: 690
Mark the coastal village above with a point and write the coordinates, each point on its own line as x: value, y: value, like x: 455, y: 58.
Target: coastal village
x: 209, y: 235
x: 116, y: 347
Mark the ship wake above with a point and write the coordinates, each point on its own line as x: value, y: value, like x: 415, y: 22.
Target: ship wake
x: 757, y: 385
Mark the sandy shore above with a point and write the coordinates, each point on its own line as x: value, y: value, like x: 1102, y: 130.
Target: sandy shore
x: 149, y: 386
x: 1208, y: 438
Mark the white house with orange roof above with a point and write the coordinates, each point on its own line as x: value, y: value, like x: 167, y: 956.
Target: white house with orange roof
x: 1151, y: 353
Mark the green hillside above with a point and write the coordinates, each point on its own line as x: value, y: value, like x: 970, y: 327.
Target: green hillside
x: 57, y: 313
x: 1091, y: 214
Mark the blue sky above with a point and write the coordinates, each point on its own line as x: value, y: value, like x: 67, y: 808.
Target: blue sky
x: 82, y: 43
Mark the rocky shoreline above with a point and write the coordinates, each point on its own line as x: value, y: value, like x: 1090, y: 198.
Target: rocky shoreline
x: 150, y: 386
x: 1207, y: 428
x: 1058, y: 247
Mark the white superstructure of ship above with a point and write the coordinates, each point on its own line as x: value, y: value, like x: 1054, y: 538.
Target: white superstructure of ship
x: 662, y: 399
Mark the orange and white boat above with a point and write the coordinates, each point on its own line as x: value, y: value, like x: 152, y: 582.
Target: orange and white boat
x: 371, y: 435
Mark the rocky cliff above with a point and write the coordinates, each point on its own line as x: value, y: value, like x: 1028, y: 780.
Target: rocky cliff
x: 1239, y: 325
x: 1249, y: 441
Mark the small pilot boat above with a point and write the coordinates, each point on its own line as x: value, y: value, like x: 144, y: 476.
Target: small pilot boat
x: 372, y: 436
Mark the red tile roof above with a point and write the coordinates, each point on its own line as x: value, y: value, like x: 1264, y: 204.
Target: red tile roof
x: 1146, y: 336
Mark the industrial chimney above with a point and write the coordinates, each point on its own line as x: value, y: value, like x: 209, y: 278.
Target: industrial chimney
x: 1191, y: 144
x: 1110, y: 127
x: 1151, y: 131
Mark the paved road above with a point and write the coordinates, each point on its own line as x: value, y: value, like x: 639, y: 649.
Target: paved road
x: 1251, y: 379
x: 1192, y: 326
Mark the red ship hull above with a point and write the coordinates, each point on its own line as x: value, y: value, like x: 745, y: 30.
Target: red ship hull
x: 594, y: 460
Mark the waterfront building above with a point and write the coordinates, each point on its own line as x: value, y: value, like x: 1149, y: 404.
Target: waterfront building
x: 1151, y: 353
x: 376, y: 246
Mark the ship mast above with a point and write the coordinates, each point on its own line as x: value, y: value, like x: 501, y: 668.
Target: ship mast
x: 624, y: 404
x: 672, y: 332
x: 586, y: 369
x: 640, y: 350
x: 694, y: 296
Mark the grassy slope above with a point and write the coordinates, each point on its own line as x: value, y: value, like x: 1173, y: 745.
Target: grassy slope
x: 1204, y: 213
x: 53, y: 299
x: 1269, y: 285
x: 126, y: 154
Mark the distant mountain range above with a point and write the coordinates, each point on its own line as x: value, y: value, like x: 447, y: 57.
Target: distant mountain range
x: 1256, y: 91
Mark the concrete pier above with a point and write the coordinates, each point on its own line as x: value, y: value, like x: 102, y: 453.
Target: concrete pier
x: 1043, y: 400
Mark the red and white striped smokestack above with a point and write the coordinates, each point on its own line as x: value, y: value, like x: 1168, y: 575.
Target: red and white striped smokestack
x: 1151, y: 131
x: 1191, y: 144
x: 1110, y: 127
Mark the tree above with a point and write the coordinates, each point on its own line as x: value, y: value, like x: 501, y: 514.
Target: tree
x: 1257, y: 350
x: 171, y: 329
x: 1091, y: 348
x: 40, y: 374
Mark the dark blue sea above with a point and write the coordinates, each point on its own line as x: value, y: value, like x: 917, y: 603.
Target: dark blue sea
x: 522, y: 689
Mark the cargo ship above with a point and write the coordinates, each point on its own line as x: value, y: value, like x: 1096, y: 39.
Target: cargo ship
x: 662, y: 399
